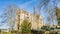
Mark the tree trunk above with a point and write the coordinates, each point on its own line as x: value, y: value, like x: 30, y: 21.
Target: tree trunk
x: 10, y: 25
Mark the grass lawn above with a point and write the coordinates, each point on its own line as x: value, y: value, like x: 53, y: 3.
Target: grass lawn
x: 5, y: 33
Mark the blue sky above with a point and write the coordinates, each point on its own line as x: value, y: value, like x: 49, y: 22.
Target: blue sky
x: 23, y: 4
x: 27, y: 5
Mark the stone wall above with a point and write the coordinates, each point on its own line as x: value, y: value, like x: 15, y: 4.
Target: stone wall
x: 31, y: 18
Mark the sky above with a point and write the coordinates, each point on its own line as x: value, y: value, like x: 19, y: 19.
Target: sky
x: 24, y: 4
x: 27, y: 5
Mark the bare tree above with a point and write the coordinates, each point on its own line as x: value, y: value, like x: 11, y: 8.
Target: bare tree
x: 11, y: 12
x: 43, y: 3
x: 52, y: 10
x: 49, y: 9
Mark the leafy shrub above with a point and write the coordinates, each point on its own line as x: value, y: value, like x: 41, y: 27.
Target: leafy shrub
x: 14, y: 31
x: 42, y: 32
x: 0, y: 30
x: 26, y: 26
x: 38, y: 32
x: 34, y: 31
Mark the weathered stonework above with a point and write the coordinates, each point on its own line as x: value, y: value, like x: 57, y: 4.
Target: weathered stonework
x: 36, y: 23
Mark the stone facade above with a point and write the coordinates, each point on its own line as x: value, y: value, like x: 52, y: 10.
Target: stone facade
x: 58, y: 15
x: 36, y: 23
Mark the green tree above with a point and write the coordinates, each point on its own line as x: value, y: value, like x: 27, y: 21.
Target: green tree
x: 26, y: 26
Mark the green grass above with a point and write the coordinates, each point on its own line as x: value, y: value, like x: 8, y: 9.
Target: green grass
x: 5, y: 33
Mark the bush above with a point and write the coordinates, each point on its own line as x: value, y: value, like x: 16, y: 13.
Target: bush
x: 34, y: 31
x: 0, y: 30
x: 26, y: 26
x: 53, y: 32
x: 38, y: 32
x: 14, y: 31
x: 42, y: 32
x: 45, y: 28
